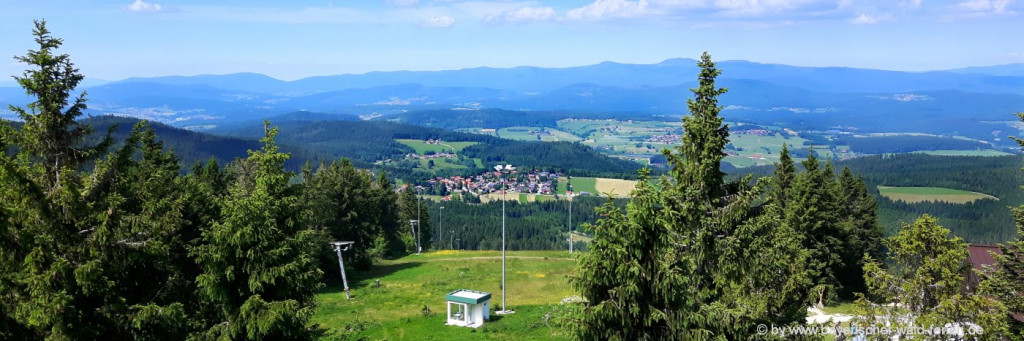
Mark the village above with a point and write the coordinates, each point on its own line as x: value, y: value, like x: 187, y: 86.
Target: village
x: 532, y: 182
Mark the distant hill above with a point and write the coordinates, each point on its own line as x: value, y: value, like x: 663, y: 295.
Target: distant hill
x: 974, y: 102
x: 366, y: 142
x: 669, y: 72
x: 1016, y: 70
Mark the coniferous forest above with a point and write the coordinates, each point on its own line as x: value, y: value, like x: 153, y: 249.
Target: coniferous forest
x: 108, y: 234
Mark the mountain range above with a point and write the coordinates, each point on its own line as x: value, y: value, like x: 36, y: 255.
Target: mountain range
x: 975, y: 102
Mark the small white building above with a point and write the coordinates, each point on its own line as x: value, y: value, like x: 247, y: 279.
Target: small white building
x: 468, y: 308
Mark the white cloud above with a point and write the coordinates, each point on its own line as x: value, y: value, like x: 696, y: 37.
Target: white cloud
x: 440, y: 21
x: 864, y: 19
x: 524, y: 14
x: 402, y: 3
x: 991, y: 6
x: 603, y: 9
x: 980, y: 9
x: 531, y: 14
x: 142, y: 6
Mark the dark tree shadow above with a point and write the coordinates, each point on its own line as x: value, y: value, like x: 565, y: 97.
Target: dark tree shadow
x: 363, y: 279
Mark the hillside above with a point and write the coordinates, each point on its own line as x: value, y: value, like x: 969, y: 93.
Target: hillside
x: 366, y: 142
x: 409, y: 304
x: 980, y: 221
x: 972, y: 102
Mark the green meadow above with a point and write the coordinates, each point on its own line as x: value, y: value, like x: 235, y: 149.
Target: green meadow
x: 537, y: 282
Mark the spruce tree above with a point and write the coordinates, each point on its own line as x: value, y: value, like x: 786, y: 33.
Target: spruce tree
x: 687, y: 259
x: 50, y: 212
x: 861, y: 234
x: 812, y: 213
x: 924, y: 274
x: 340, y: 201
x: 259, y: 268
x: 626, y: 278
x: 413, y: 208
x: 1006, y: 280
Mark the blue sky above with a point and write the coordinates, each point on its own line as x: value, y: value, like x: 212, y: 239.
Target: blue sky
x: 293, y: 39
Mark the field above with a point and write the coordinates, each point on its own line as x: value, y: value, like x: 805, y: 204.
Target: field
x: 639, y: 140
x: 579, y: 184
x: 440, y: 163
x: 922, y: 194
x: 537, y: 282
x: 598, y: 186
x: 422, y: 147
x: 546, y: 134
x: 617, y: 187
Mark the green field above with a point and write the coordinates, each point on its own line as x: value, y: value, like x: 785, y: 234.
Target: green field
x: 629, y: 140
x: 579, y: 184
x: 922, y: 194
x: 983, y: 152
x: 421, y: 147
x: 523, y: 134
x: 440, y: 163
x: 394, y: 311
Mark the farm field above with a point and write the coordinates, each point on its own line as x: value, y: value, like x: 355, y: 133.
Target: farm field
x: 642, y: 139
x: 922, y: 194
x: 617, y: 187
x: 546, y: 134
x: 537, y: 282
x: 422, y: 146
x: 579, y: 184
x: 440, y: 163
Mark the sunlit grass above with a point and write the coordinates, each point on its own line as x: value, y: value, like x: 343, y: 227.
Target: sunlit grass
x: 537, y: 280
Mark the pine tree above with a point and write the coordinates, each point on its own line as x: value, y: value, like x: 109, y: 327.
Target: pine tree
x: 1006, y: 280
x: 50, y: 131
x: 861, y: 234
x: 782, y: 179
x: 259, y: 268
x: 340, y: 201
x: 626, y: 278
x: 812, y: 212
x: 412, y: 208
x: 924, y: 274
x: 50, y: 213
x: 387, y: 215
x: 145, y: 260
x: 687, y: 259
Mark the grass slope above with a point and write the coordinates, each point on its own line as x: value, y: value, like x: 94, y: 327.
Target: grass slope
x: 422, y: 146
x: 537, y: 282
x: 922, y: 194
x: 579, y: 184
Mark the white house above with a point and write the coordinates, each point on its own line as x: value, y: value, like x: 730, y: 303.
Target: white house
x: 468, y: 308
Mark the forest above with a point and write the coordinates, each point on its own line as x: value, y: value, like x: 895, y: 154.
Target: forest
x: 983, y: 221
x: 108, y: 239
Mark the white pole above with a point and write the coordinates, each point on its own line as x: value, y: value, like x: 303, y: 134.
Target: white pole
x: 341, y: 263
x: 419, y: 245
x: 570, y: 223
x: 504, y: 307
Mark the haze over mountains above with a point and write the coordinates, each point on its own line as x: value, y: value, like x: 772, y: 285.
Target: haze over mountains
x: 974, y: 102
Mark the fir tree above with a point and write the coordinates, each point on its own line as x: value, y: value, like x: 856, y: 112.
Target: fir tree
x: 924, y: 275
x: 50, y: 213
x: 259, y: 269
x: 811, y: 212
x: 687, y: 259
x: 1006, y: 280
x: 861, y: 234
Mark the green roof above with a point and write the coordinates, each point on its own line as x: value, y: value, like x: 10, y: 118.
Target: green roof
x: 468, y: 296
